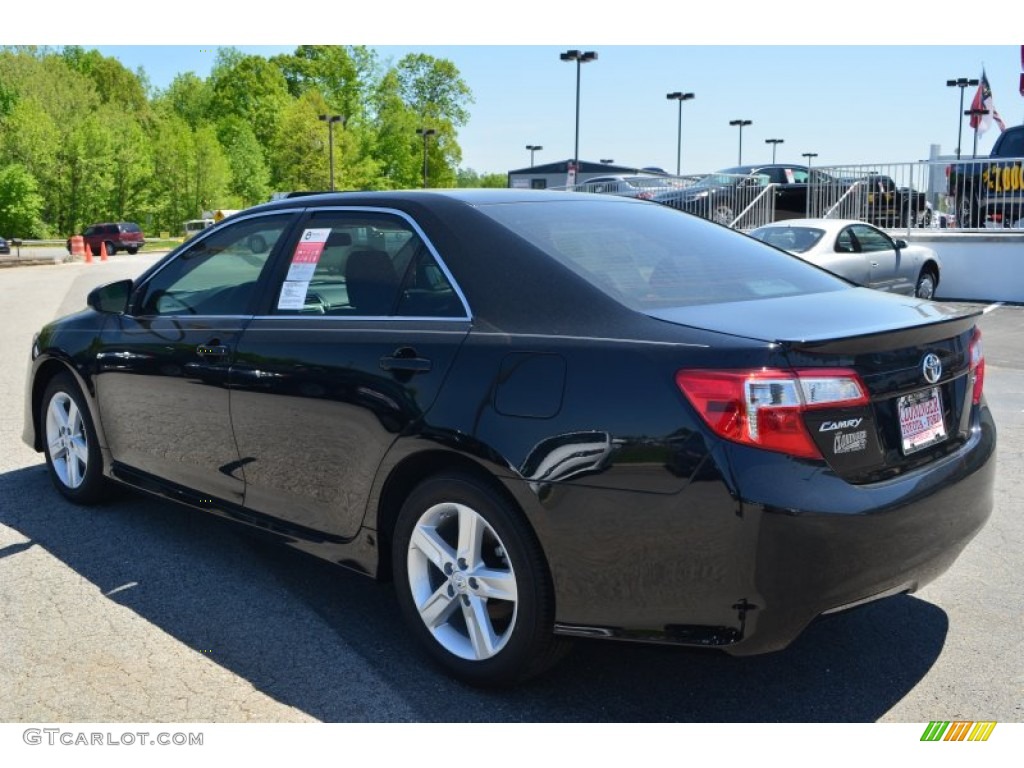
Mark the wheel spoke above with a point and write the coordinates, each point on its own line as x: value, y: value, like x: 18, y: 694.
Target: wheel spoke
x: 471, y: 536
x: 58, y: 413
x: 56, y: 449
x: 426, y: 539
x: 74, y: 476
x: 496, y: 585
x: 79, y: 449
x: 438, y: 608
x: 478, y: 623
x: 74, y: 422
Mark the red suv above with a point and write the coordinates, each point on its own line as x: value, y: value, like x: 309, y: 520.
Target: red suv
x: 118, y: 236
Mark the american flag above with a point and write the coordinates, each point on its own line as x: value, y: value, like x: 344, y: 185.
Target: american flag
x: 983, y: 100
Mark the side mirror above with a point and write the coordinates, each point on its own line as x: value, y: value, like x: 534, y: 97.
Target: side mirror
x: 900, y: 244
x: 111, y: 298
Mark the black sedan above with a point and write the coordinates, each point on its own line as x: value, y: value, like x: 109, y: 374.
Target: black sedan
x: 4, y: 246
x: 543, y: 415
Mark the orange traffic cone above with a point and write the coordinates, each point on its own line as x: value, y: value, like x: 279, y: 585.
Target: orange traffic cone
x: 103, y: 251
x: 88, y: 253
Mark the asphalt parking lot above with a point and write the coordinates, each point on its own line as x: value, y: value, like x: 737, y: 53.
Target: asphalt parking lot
x: 144, y: 611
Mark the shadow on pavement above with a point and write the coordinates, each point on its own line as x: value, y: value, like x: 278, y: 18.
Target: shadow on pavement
x: 325, y: 641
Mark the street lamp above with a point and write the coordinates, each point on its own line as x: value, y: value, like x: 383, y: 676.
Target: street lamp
x: 961, y: 83
x: 775, y: 145
x: 581, y: 58
x: 331, y: 120
x: 976, y: 115
x: 741, y: 123
x: 533, y: 148
x: 810, y: 156
x: 607, y: 161
x: 426, y: 133
x: 680, y: 97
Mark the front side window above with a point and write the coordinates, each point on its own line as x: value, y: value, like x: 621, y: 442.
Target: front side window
x: 217, y: 275
x: 364, y: 264
x: 872, y: 240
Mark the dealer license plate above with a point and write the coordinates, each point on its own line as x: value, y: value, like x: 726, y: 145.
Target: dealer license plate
x: 921, y: 421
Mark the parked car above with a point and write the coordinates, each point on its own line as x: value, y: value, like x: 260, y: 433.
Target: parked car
x: 117, y: 236
x: 859, y: 252
x: 643, y: 187
x: 723, y: 196
x: 543, y: 415
x: 5, y: 247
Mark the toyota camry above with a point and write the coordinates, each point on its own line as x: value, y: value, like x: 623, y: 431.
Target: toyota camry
x: 542, y: 415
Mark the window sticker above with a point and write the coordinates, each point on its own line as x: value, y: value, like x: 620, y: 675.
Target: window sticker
x: 789, y: 176
x: 293, y: 294
x: 307, y: 254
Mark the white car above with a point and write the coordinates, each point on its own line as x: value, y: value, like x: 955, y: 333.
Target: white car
x: 859, y: 252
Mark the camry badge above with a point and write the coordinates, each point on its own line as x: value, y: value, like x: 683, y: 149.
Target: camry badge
x: 931, y: 366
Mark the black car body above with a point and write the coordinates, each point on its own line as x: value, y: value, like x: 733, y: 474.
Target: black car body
x: 750, y: 195
x: 545, y: 414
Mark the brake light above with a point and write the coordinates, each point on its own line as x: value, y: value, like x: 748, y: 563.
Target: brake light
x: 764, y: 408
x: 977, y: 365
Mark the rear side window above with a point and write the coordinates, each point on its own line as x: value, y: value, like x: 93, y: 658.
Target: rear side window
x: 650, y: 256
x: 365, y: 264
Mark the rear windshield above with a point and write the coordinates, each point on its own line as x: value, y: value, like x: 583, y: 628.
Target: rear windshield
x: 650, y: 256
x: 793, y: 239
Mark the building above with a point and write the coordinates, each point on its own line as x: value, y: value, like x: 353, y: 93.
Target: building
x: 556, y: 175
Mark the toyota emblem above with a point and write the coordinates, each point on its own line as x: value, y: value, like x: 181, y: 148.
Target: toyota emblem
x: 931, y: 366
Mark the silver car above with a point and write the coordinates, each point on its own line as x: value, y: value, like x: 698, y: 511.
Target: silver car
x: 860, y: 252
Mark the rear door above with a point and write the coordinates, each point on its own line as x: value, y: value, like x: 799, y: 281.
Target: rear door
x: 359, y: 330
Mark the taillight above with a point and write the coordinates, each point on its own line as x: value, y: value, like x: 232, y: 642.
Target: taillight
x: 977, y: 353
x: 765, y: 408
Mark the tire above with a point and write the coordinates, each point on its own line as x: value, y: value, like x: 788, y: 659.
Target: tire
x: 70, y: 445
x: 132, y: 249
x: 472, y: 583
x: 966, y: 213
x: 111, y: 250
x: 927, y: 282
x: 723, y: 214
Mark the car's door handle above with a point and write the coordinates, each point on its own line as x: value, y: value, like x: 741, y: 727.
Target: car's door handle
x: 212, y: 350
x: 405, y: 360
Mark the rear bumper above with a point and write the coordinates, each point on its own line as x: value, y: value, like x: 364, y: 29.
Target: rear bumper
x: 748, y: 569
x: 910, y: 531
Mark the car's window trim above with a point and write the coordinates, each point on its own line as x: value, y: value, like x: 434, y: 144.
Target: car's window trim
x: 307, y: 212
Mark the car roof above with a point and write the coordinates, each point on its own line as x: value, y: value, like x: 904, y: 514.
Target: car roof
x: 829, y: 225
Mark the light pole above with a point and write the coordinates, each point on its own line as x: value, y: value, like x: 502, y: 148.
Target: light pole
x: 741, y: 123
x: 607, y: 161
x: 961, y: 83
x: 680, y: 97
x: 976, y: 115
x: 775, y: 144
x: 331, y: 120
x: 810, y: 157
x: 533, y: 148
x: 426, y: 133
x: 581, y: 58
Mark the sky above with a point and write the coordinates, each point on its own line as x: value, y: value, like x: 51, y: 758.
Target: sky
x: 872, y: 97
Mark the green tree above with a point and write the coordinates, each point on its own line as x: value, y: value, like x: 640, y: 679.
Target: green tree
x: 21, y: 204
x: 114, y: 83
x: 189, y: 97
x: 434, y: 89
x: 343, y: 75
x: 397, y: 149
x: 249, y: 87
x: 250, y: 177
